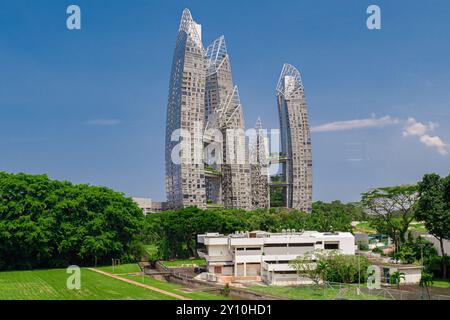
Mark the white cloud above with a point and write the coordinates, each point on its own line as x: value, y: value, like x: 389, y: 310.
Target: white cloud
x: 418, y: 129
x: 355, y: 124
x: 414, y: 128
x: 434, y: 142
x: 102, y: 122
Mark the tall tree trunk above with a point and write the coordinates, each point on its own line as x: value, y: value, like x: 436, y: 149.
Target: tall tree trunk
x: 443, y: 260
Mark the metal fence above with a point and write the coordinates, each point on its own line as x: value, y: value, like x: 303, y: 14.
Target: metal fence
x: 387, y: 293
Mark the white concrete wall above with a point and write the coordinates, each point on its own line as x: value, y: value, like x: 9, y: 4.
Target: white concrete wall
x: 412, y: 276
x: 219, y: 250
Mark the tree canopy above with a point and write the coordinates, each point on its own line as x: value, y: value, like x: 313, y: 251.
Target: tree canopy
x: 391, y: 210
x: 433, y: 208
x: 49, y: 223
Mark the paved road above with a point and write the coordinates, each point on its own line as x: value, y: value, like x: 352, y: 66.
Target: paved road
x: 174, y: 295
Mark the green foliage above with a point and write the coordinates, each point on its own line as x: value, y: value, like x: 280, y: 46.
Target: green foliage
x: 413, y: 250
x: 377, y: 250
x: 396, y: 277
x: 332, y: 266
x: 49, y: 223
x: 225, y: 291
x: 426, y: 279
x: 434, y: 209
x: 334, y: 216
x: 310, y: 265
x: 391, y: 210
x: 434, y: 205
x: 345, y: 268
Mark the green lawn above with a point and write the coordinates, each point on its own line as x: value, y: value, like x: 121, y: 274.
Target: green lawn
x: 121, y: 269
x: 364, y: 227
x: 312, y: 293
x: 441, y: 283
x: 180, y: 263
x: 51, y: 285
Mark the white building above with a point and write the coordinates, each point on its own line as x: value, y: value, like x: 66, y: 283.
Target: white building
x: 147, y: 205
x: 264, y: 256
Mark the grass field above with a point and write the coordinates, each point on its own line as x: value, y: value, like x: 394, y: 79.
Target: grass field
x: 364, y: 227
x: 121, y: 269
x: 51, y: 285
x: 441, y: 284
x: 127, y: 269
x: 312, y: 293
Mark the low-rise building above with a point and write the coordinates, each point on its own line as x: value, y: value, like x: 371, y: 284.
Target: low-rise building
x: 264, y: 256
x: 411, y: 273
x: 148, y: 205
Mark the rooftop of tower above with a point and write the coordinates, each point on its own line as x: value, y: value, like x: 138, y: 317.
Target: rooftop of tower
x: 290, y: 80
x: 192, y: 28
x: 217, y: 50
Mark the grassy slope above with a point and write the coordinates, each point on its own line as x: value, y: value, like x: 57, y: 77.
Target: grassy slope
x: 441, y: 283
x: 170, y: 287
x: 51, y: 285
x: 365, y: 227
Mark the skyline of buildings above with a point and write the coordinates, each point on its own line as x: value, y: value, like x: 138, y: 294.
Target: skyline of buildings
x: 208, y: 160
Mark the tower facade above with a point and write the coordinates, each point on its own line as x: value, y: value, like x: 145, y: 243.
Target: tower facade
x: 224, y: 113
x: 185, y: 177
x: 295, y: 139
x: 259, y: 163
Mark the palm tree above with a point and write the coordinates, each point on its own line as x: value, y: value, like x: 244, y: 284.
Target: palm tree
x: 425, y: 281
x: 395, y: 278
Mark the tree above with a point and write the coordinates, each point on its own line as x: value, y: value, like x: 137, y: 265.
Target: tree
x: 395, y: 278
x: 426, y: 280
x: 391, y: 210
x: 328, y: 217
x: 331, y: 266
x: 311, y: 265
x: 434, y: 209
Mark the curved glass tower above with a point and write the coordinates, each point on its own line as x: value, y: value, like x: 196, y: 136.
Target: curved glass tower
x: 224, y: 112
x: 295, y: 139
x: 185, y: 178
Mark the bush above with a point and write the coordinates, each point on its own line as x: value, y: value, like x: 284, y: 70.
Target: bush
x: 377, y: 250
x: 332, y: 266
x: 363, y: 246
x: 412, y: 250
x: 345, y: 268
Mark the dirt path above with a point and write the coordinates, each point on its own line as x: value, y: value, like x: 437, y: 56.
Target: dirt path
x: 174, y: 295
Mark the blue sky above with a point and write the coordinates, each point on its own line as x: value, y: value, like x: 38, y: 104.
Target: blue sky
x: 89, y: 106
